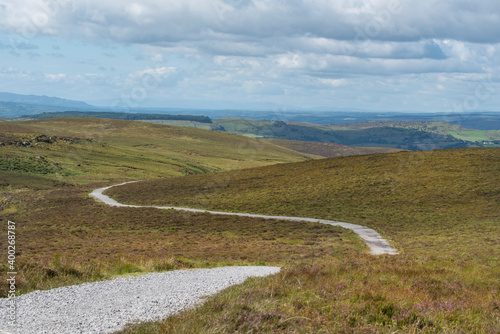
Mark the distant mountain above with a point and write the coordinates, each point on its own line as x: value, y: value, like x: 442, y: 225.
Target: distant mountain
x: 16, y: 104
x: 43, y: 101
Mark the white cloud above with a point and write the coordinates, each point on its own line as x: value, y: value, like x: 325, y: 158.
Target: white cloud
x: 334, y: 82
x: 157, y: 58
x: 287, y: 48
x: 159, y: 72
x: 55, y: 77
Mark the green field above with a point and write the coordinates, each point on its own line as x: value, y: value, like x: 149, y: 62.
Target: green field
x: 189, y: 124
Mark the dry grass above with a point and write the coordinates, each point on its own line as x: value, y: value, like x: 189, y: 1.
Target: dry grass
x: 328, y: 150
x: 440, y: 209
x: 127, y: 150
x: 64, y: 237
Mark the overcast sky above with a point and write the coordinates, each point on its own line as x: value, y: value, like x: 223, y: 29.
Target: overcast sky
x: 392, y: 55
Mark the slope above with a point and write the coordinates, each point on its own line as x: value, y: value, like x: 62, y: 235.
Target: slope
x: 96, y: 150
x: 328, y: 150
x: 439, y: 208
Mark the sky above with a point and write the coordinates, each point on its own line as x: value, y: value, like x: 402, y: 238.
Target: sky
x: 371, y: 55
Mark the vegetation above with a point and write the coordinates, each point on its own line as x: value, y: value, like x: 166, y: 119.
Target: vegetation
x: 32, y: 165
x: 438, y: 208
x: 86, y: 241
x: 442, y: 128
x: 328, y: 150
x: 99, y: 150
x: 402, y: 135
x: 121, y: 115
x: 189, y: 124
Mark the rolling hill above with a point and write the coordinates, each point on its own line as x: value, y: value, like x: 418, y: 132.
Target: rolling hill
x: 328, y: 150
x: 438, y: 208
x: 402, y: 135
x: 92, y: 150
x: 408, y: 135
x: 43, y: 101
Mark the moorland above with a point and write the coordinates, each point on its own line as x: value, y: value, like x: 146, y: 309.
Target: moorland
x: 439, y: 208
x: 372, y: 135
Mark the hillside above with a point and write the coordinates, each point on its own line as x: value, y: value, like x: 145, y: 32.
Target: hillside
x: 442, y: 128
x: 402, y: 135
x: 359, y: 187
x: 96, y: 150
x: 42, y: 100
x: 440, y: 209
x: 328, y: 150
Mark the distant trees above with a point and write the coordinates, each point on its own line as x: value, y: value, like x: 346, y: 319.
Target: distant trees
x: 122, y: 115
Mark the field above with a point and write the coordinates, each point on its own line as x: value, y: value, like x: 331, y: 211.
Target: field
x: 438, y: 208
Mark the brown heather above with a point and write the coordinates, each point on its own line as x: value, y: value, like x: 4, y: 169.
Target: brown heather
x: 440, y: 209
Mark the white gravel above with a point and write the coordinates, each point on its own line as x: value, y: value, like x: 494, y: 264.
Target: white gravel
x: 107, y: 306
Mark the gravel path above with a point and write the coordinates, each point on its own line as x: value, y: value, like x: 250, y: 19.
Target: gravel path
x: 107, y: 306
x: 372, y: 238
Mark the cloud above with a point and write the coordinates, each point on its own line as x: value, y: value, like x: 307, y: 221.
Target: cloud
x: 259, y: 47
x: 334, y: 82
x: 55, y: 77
x: 159, y: 21
x: 152, y: 78
x: 305, y: 34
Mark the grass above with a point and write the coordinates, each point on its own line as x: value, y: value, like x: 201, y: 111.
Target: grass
x: 124, y: 150
x: 438, y: 208
x: 32, y: 165
x: 477, y: 135
x: 189, y: 124
x: 87, y: 241
x: 328, y: 150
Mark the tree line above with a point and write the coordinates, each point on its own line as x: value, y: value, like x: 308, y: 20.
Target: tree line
x: 121, y: 115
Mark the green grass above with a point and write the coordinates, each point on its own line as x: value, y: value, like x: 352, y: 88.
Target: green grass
x: 438, y: 208
x: 189, y: 124
x: 477, y: 135
x: 125, y: 150
x: 32, y: 165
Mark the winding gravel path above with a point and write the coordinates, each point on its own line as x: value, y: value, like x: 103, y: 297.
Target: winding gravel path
x: 372, y: 238
x: 107, y: 306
